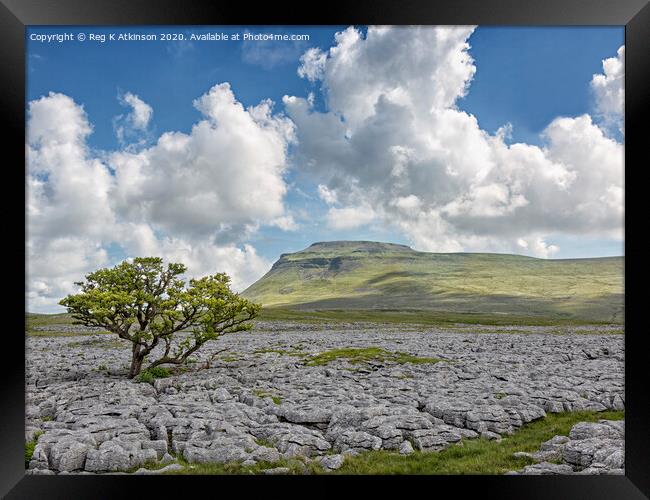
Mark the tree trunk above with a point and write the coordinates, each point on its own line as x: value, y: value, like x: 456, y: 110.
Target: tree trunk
x: 136, y: 361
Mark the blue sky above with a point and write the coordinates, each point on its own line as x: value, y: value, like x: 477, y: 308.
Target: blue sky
x: 528, y: 76
x: 524, y: 76
x: 167, y: 75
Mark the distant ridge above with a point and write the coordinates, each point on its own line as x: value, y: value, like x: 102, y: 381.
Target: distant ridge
x: 376, y: 275
x: 359, y: 245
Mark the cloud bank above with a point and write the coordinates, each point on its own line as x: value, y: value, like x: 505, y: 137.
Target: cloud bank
x: 193, y: 198
x: 393, y: 145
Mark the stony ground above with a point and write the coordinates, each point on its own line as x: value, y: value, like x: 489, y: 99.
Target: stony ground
x: 260, y: 400
x: 590, y: 448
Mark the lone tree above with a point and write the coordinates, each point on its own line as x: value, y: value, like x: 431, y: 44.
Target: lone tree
x: 146, y: 304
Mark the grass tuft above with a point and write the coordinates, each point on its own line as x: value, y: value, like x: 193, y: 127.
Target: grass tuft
x: 149, y: 375
x: 365, y: 355
x: 29, y: 448
x: 263, y: 394
x: 264, y: 442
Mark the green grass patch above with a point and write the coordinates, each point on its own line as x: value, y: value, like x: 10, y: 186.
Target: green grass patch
x: 295, y: 466
x: 364, y: 355
x: 264, y: 442
x: 414, y: 317
x: 263, y: 394
x: 475, y: 456
x: 30, y: 332
x: 103, y: 344
x: 29, y: 448
x: 37, y: 319
x: 568, y: 330
x: 52, y: 322
x: 149, y: 375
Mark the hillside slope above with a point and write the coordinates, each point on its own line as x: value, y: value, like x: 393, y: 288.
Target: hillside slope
x: 371, y: 275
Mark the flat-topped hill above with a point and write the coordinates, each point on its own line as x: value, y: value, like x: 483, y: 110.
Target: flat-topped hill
x: 373, y: 275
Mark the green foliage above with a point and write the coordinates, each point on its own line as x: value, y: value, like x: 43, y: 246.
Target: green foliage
x: 159, y: 372
x: 363, y: 355
x: 145, y: 377
x: 363, y: 276
x: 150, y: 374
x: 475, y: 456
x: 29, y: 451
x: 146, y: 303
x: 29, y: 448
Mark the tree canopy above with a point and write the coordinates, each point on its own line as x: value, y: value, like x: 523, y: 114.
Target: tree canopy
x: 146, y: 303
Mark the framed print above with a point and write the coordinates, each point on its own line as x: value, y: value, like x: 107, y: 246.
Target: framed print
x: 375, y: 243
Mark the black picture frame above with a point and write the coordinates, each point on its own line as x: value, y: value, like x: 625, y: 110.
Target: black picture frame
x: 15, y: 15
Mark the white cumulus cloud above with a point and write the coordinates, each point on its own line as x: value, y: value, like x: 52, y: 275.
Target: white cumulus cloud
x: 392, y: 143
x: 609, y: 89
x: 350, y: 217
x: 141, y: 113
x: 312, y: 64
x: 225, y: 176
x: 193, y: 198
x: 327, y: 195
x: 132, y: 127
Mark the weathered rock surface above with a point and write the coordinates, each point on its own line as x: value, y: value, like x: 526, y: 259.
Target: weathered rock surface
x: 590, y: 448
x: 332, y: 462
x: 260, y: 401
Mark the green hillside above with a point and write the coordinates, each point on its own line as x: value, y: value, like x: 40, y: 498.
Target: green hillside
x: 366, y: 275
